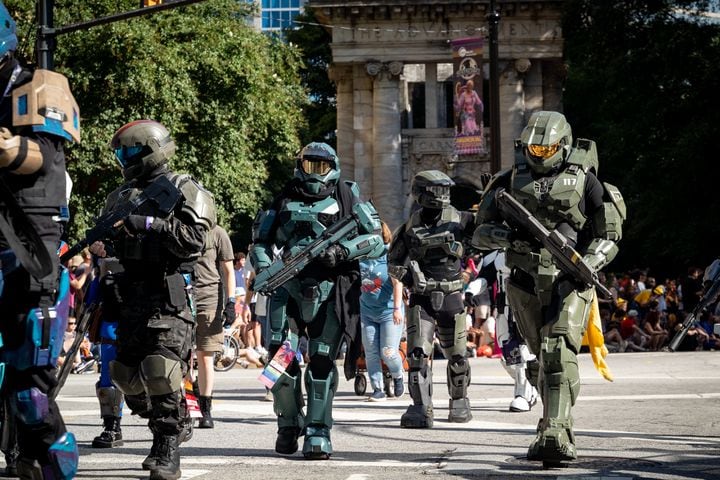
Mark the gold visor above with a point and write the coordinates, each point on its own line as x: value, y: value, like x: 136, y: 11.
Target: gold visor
x: 543, y: 151
x: 316, y: 167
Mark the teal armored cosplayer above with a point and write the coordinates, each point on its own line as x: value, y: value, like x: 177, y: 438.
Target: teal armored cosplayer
x: 315, y: 300
x: 556, y: 181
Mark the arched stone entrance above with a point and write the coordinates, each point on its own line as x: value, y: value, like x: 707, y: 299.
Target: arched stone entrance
x: 392, y: 65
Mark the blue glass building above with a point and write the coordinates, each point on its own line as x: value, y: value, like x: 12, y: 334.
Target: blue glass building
x: 277, y: 14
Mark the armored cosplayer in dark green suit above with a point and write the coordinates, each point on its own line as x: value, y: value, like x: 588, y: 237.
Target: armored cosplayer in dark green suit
x: 426, y: 256
x: 556, y: 181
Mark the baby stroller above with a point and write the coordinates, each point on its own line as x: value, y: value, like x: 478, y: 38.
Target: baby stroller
x: 361, y: 381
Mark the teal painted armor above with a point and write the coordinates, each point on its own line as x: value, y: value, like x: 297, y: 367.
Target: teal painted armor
x: 562, y: 191
x: 307, y: 304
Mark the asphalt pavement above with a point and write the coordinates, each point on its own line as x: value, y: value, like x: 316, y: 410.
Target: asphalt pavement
x: 659, y: 419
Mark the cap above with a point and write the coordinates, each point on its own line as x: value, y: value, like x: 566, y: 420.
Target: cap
x: 659, y: 290
x: 633, y: 313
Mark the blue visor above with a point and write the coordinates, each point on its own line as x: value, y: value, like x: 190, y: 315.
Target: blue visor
x: 124, y: 154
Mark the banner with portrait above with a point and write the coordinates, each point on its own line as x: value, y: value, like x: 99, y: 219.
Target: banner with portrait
x: 467, y: 99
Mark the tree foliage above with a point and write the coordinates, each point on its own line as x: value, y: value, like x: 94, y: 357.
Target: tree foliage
x: 230, y: 95
x: 314, y: 41
x: 641, y: 80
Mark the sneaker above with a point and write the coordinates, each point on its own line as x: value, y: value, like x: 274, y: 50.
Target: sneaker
x: 398, y: 387
x: 268, y: 396
x: 261, y: 350
x: 377, y: 396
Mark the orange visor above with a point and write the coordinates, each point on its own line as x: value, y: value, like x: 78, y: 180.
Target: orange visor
x: 543, y: 151
x: 316, y: 167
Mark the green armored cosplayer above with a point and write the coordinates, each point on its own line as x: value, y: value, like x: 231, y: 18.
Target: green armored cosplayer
x: 313, y: 300
x: 556, y: 181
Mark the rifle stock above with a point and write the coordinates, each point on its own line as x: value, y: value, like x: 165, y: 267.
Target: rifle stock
x: 161, y: 191
x: 566, y: 257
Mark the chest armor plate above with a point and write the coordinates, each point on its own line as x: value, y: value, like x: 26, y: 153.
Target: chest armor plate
x: 552, y: 200
x: 427, y: 243
x: 301, y: 223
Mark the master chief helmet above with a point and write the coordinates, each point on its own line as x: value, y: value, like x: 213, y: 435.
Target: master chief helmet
x: 141, y: 147
x: 317, y: 167
x: 431, y: 189
x: 546, y: 141
x: 8, y: 38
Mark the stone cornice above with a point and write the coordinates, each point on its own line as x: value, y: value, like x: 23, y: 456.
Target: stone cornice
x: 395, y: 10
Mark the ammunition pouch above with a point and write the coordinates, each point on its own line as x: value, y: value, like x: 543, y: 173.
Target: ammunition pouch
x: 177, y: 299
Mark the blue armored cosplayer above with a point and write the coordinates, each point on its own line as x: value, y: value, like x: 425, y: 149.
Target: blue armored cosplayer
x: 38, y: 114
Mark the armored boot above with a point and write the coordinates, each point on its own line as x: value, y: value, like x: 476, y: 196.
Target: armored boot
x: 559, y: 386
x: 167, y: 461
x: 458, y: 374
x: 205, y: 407
x: 151, y: 460
x: 288, y: 403
x: 321, y: 391
x: 420, y: 414
x: 111, y: 436
x: 11, y: 459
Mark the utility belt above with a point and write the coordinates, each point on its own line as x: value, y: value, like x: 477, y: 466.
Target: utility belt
x: 435, y: 289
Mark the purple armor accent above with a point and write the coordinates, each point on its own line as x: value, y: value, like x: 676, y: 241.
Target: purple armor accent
x: 31, y: 406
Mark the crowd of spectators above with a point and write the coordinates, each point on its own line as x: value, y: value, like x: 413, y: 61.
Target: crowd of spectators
x: 645, y: 314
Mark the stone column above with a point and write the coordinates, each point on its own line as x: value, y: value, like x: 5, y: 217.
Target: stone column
x: 343, y: 78
x: 387, y: 158
x: 362, y: 115
x: 431, y: 96
x: 512, y: 110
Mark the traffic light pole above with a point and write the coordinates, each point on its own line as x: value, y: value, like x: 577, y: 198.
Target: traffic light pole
x: 47, y: 32
x: 493, y: 18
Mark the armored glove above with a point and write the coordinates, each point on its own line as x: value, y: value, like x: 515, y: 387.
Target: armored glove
x: 332, y: 256
x: 229, y: 312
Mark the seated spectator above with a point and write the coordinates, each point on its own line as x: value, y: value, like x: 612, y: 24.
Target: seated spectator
x: 611, y: 329
x: 690, y: 342
x: 707, y: 323
x: 632, y: 333
x: 658, y: 335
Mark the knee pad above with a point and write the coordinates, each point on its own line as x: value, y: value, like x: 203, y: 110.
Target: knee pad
x: 31, y: 406
x: 161, y: 375
x: 111, y: 401
x: 126, y: 379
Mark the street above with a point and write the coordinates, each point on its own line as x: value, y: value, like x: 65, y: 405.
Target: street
x: 659, y: 419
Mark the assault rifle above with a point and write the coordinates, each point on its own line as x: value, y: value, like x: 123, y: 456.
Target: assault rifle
x: 708, y: 298
x: 162, y: 192
x: 565, y: 256
x: 281, y: 271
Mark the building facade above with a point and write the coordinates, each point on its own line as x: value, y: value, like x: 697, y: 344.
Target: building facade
x: 392, y: 65
x: 274, y: 15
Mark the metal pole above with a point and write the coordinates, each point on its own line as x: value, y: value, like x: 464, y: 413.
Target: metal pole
x: 45, y: 45
x: 493, y: 18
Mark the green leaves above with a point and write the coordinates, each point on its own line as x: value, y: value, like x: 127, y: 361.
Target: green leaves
x: 230, y: 95
x: 641, y: 79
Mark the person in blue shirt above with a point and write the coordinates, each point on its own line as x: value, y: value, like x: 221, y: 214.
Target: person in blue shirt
x: 381, y: 318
